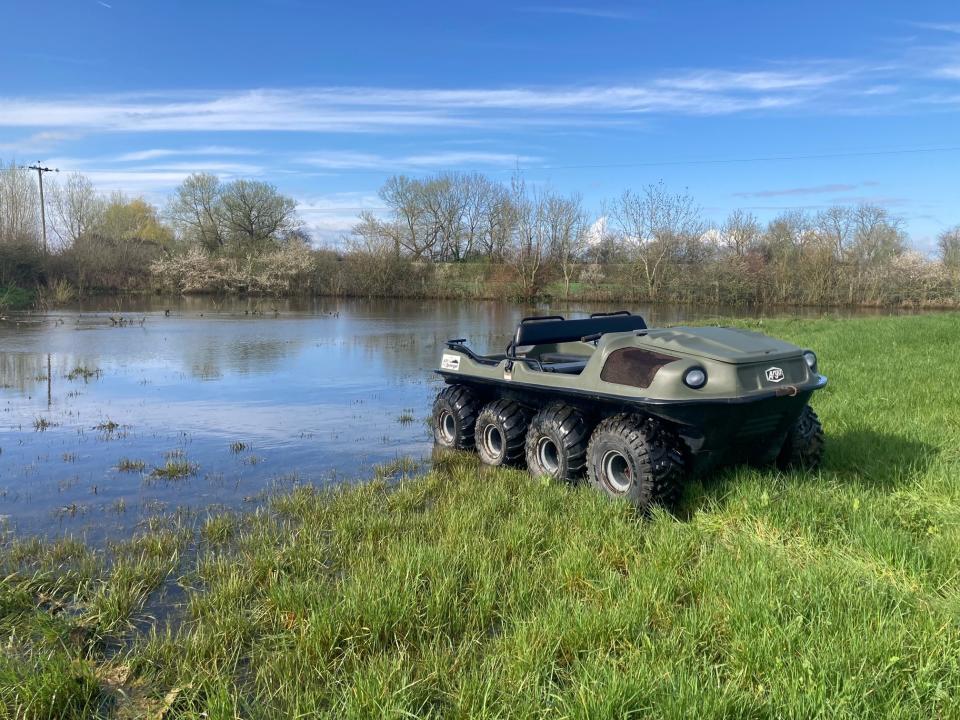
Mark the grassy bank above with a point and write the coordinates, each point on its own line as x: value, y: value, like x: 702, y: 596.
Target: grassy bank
x: 472, y: 593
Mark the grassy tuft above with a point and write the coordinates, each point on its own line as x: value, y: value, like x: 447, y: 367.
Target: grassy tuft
x: 42, y: 424
x: 82, y: 372
x: 128, y: 465
x: 175, y: 469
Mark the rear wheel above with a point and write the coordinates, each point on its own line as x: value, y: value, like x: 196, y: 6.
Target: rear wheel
x: 454, y: 417
x: 803, y: 447
x: 499, y: 432
x: 556, y: 443
x: 636, y: 458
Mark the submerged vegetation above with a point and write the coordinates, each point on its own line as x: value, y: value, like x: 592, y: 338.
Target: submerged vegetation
x: 82, y: 372
x: 467, y: 592
x: 128, y: 465
x: 175, y: 469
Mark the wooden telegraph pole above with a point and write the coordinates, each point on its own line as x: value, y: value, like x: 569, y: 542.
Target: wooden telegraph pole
x: 43, y: 211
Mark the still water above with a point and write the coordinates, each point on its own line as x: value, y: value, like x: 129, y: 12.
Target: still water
x: 241, y: 396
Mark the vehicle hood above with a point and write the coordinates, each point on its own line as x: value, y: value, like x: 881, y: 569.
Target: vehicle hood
x: 730, y: 345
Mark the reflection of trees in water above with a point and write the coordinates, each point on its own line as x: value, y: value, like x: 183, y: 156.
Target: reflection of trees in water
x: 26, y: 372
x: 22, y: 371
x: 213, y: 354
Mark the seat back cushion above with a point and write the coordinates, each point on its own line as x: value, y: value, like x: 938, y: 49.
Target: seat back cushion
x: 543, y: 332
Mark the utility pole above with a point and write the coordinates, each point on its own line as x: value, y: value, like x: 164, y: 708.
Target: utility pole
x: 43, y: 211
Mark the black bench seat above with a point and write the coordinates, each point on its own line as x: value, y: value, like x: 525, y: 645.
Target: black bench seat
x: 555, y: 329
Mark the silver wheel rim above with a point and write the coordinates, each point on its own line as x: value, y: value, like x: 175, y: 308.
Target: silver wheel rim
x: 548, y: 456
x: 616, y: 471
x: 493, y: 441
x: 448, y: 427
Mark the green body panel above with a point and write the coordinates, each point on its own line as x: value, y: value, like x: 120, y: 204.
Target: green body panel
x: 736, y: 362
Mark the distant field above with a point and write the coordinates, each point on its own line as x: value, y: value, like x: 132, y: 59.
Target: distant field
x: 472, y: 593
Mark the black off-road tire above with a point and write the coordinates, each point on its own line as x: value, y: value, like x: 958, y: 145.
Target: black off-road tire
x: 803, y: 447
x: 454, y: 416
x: 500, y: 431
x: 637, y: 458
x: 556, y: 443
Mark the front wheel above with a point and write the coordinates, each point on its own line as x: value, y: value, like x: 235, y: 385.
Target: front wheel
x: 635, y: 458
x: 803, y: 447
x: 454, y: 417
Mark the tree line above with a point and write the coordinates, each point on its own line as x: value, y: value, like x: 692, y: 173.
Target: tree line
x: 463, y: 235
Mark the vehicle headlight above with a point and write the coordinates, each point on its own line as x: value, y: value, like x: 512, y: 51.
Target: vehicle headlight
x: 810, y: 358
x: 695, y: 378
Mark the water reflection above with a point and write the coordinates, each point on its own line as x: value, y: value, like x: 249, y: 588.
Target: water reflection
x: 313, y: 389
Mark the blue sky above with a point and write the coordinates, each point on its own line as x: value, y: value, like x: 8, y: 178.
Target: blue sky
x: 762, y: 105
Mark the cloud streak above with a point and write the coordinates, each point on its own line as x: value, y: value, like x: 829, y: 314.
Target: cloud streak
x: 581, y: 11
x: 210, y: 150
x: 811, y: 190
x: 450, y: 159
x: 816, y: 190
x: 367, y: 110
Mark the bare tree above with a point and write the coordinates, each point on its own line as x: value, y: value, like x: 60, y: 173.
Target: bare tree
x: 836, y: 225
x: 499, y: 224
x: 740, y: 232
x: 949, y: 246
x: 256, y: 216
x: 442, y: 203
x: 77, y: 208
x: 566, y: 228
x: 198, y: 213
x: 376, y: 236
x: 399, y: 194
x: 656, y: 225
x: 19, y: 206
x: 531, y: 239
x: 878, y: 236
x: 478, y: 194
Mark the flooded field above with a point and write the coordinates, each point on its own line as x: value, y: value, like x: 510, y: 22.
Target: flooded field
x: 117, y: 410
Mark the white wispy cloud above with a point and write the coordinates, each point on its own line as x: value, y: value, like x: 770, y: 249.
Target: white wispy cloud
x: 358, y: 110
x: 948, y: 27
x: 581, y: 11
x: 808, y: 190
x: 449, y: 159
x: 152, y: 183
x: 152, y: 180
x: 35, y: 142
x: 949, y: 71
x: 210, y: 150
x: 721, y: 81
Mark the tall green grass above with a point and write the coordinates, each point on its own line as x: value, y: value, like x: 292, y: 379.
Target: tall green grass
x: 477, y: 593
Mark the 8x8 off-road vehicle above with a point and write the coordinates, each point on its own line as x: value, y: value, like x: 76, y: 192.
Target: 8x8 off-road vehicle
x: 633, y: 408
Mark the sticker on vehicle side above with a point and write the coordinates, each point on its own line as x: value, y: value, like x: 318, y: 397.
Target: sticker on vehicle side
x: 450, y: 362
x: 774, y: 374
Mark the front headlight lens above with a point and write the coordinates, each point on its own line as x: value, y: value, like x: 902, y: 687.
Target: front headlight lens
x: 810, y: 358
x: 695, y: 378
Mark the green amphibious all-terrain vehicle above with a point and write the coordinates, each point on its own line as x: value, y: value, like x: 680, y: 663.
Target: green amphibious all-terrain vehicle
x: 636, y: 409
